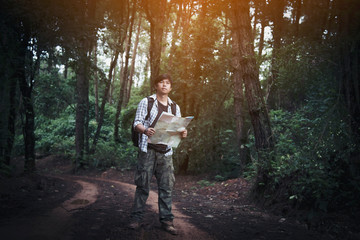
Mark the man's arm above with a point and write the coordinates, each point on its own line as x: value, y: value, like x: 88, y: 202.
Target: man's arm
x: 140, y: 116
x: 147, y: 131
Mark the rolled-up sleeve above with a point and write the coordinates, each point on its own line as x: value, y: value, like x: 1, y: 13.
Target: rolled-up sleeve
x: 141, y: 112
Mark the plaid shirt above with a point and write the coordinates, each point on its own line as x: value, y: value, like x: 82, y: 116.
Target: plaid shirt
x: 141, y: 113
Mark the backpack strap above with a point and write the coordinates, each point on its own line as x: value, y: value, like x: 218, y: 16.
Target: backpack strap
x: 173, y: 108
x: 149, y: 107
x: 136, y: 136
x: 151, y: 103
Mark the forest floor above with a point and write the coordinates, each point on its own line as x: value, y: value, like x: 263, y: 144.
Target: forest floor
x: 93, y: 204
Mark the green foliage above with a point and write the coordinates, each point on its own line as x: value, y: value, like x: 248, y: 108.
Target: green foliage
x: 210, y: 147
x: 205, y: 183
x: 128, y: 114
x: 203, y: 88
x: 312, y: 157
x: 219, y: 178
x: 58, y: 136
x: 5, y: 170
x: 312, y: 163
x: 55, y: 136
x: 53, y: 94
x: 110, y: 154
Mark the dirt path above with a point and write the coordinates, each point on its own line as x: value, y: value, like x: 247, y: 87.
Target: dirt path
x: 97, y: 204
x: 59, y: 222
x: 186, y: 229
x: 53, y: 224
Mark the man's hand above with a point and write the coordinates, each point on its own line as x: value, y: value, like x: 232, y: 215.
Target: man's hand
x: 184, y: 134
x: 149, y: 132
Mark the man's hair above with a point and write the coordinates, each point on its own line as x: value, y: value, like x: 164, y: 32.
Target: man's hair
x: 162, y: 77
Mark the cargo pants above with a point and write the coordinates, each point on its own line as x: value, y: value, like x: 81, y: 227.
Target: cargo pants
x: 149, y: 164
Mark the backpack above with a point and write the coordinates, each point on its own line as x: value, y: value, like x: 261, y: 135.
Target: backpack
x: 135, y: 136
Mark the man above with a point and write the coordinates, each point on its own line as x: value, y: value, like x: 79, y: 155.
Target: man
x: 154, y: 159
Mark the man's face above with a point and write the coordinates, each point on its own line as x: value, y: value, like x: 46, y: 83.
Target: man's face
x: 163, y: 87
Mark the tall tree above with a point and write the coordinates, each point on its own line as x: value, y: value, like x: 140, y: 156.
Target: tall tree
x: 124, y: 76
x: 175, y: 36
x: 22, y: 43
x: 121, y: 22
x: 96, y: 85
x: 277, y: 8
x: 113, y: 63
x: 155, y: 13
x: 10, y: 121
x: 261, y: 17
x: 296, y: 15
x: 239, y: 103
x: 86, y: 24
x: 187, y: 14
x: 348, y: 58
x: 241, y: 25
x: 8, y: 87
x: 133, y: 60
x: 26, y: 87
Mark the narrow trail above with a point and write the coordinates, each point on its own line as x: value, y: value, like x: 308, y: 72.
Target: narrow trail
x: 54, y: 224
x: 85, y: 197
x: 54, y: 204
x: 57, y: 223
x: 186, y: 229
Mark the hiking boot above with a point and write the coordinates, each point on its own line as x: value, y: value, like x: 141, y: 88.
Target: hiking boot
x: 169, y: 227
x: 135, y: 225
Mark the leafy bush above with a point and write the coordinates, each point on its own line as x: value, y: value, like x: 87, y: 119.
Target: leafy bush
x: 311, y: 165
x: 55, y: 136
x: 5, y: 170
x: 205, y: 183
x: 211, y: 144
x: 111, y: 154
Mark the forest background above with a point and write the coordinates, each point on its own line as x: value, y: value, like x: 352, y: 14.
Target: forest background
x: 273, y: 85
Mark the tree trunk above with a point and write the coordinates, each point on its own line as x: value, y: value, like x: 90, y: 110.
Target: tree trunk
x: 174, y: 39
x: 82, y: 83
x: 185, y: 23
x: 112, y: 85
x: 87, y: 120
x: 50, y: 60
x: 125, y: 75
x: 82, y: 96
x: 11, y: 121
x: 156, y: 17
x: 96, y: 85
x: 104, y: 100
x: 65, y: 62
x: 248, y: 69
x: 132, y: 69
x: 348, y: 58
x: 198, y: 66
x: 124, y: 83
x: 156, y: 32
x: 278, y: 19
x: 26, y: 91
x: 256, y: 104
x: 239, y: 103
x: 8, y: 84
x: 261, y: 38
x: 297, y: 15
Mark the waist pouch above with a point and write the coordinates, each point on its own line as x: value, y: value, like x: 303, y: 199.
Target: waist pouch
x: 160, y: 148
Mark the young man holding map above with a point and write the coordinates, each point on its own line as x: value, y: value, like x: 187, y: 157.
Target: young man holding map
x: 155, y: 159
